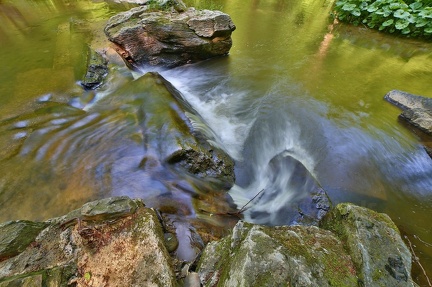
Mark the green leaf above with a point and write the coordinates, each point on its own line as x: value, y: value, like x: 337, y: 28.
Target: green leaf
x: 382, y: 27
x: 411, y: 19
x: 426, y: 13
x: 416, y: 5
x: 428, y: 30
x: 363, y: 5
x: 406, y: 31
x: 395, y: 6
x: 87, y: 276
x: 356, y: 12
x: 372, y: 8
x: 349, y: 7
x: 388, y: 23
x: 401, y: 14
x: 401, y: 24
x: 421, y: 22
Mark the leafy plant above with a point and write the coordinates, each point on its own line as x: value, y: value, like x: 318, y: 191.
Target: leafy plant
x: 409, y: 17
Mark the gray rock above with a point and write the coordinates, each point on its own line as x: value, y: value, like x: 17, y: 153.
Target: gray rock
x: 15, y: 236
x: 406, y: 100
x: 97, y: 70
x: 108, y: 208
x: 374, y: 243
x: 419, y: 118
x: 169, y: 38
x: 256, y: 255
x: 127, y: 251
x: 417, y: 110
x: 30, y: 281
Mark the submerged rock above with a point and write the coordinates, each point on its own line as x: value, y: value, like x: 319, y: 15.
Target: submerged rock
x: 374, y: 243
x: 97, y: 70
x: 417, y: 110
x: 170, y: 37
x: 168, y: 135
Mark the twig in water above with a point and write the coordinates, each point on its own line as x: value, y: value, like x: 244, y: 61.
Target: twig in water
x: 244, y: 206
x: 237, y: 213
x: 422, y: 241
x: 416, y: 259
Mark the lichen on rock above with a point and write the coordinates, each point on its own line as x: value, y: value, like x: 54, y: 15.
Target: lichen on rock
x: 374, y: 243
x: 256, y: 255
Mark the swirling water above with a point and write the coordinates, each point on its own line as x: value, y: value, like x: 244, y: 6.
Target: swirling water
x: 295, y: 86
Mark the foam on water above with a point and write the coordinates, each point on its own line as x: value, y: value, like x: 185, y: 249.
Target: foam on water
x: 215, y: 107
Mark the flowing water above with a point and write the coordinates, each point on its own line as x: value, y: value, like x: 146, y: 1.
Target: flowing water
x: 298, y: 101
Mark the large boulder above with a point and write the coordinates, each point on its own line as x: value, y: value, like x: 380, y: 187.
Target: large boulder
x: 354, y: 247
x: 256, y: 255
x: 112, y: 242
x: 374, y: 243
x: 169, y: 37
x: 417, y: 110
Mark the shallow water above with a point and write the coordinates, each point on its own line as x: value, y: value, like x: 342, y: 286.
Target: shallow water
x: 295, y: 83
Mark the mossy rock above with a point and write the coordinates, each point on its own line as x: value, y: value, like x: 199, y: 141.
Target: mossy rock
x: 256, y: 255
x: 374, y: 244
x: 15, y: 236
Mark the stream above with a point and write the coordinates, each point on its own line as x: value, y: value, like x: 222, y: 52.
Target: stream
x: 298, y: 102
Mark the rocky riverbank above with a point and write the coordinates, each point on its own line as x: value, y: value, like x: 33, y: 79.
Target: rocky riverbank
x: 120, y: 242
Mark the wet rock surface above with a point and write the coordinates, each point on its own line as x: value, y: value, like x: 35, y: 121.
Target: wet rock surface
x: 417, y: 110
x: 168, y: 35
x: 168, y: 134
x: 97, y: 70
x: 119, y: 242
x: 15, y: 236
x: 374, y: 244
x: 114, y: 249
x: 256, y: 255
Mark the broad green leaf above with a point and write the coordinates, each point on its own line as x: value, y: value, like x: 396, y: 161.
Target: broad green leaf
x: 428, y: 30
x: 388, y: 23
x: 401, y: 14
x: 372, y: 8
x: 356, y: 12
x: 421, y: 22
x: 401, y: 24
x: 364, y: 5
x: 426, y: 13
x: 349, y: 7
x: 406, y: 31
x: 411, y: 18
x: 395, y: 6
x: 416, y: 5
